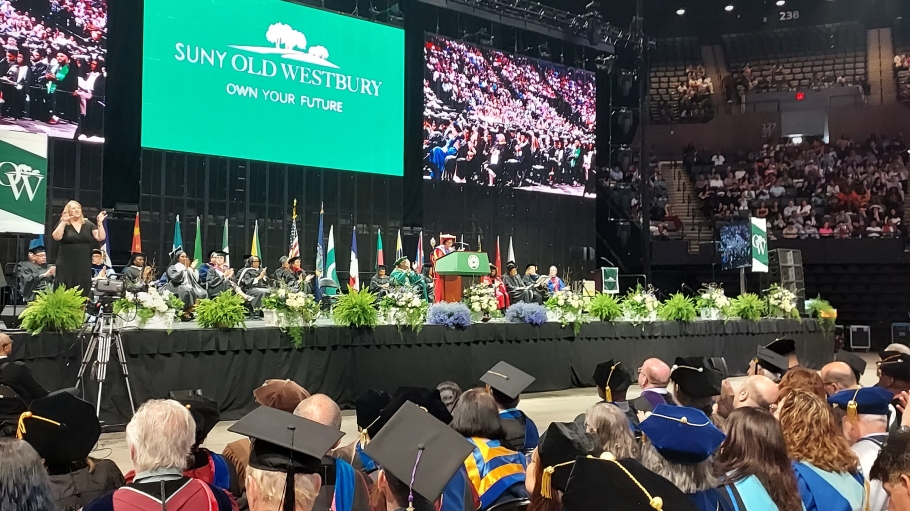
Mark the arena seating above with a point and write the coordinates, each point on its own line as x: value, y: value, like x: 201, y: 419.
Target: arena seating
x: 670, y: 63
x: 799, y: 58
x: 900, y: 34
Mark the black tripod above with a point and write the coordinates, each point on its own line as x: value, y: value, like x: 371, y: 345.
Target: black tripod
x: 101, y: 339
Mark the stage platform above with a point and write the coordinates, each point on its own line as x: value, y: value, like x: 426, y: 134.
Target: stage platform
x: 344, y: 362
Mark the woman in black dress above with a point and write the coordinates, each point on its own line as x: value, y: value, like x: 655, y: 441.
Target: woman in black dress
x: 77, y: 237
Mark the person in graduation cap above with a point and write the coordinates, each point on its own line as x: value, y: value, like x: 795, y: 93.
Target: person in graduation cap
x: 496, y: 472
x: 753, y: 464
x: 446, y: 246
x: 785, y: 347
x: 159, y: 438
x: 515, y: 286
x: 18, y: 387
x: 505, y: 383
x: 613, y: 381
x: 552, y: 462
x: 285, y: 459
x: 99, y: 269
x: 283, y: 395
x: 895, y: 378
x: 254, y: 282
x: 677, y: 443
x: 842, y: 374
x: 595, y: 483
x: 865, y: 424
x: 379, y: 283
x: 64, y: 430
x: 137, y: 274
x: 368, y: 408
x: 768, y: 363
x: 538, y: 292
x: 419, y: 458
x: 695, y: 384
x: 183, y: 280
x: 205, y: 267
x: 404, y: 276
x: 495, y: 281
x: 827, y: 471
x: 217, y: 278
x: 35, y: 274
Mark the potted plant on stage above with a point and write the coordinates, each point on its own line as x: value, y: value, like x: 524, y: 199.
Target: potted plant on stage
x: 529, y: 313
x: 711, y: 302
x: 226, y: 310
x: 823, y: 312
x: 402, y: 306
x: 450, y: 315
x: 357, y: 309
x: 481, y: 299
x: 677, y: 308
x: 640, y: 304
x: 782, y: 303
x: 568, y: 307
x: 605, y: 307
x: 748, y: 306
x: 58, y: 310
x: 151, y: 310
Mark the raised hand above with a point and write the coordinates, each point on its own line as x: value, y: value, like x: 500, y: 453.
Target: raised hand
x: 65, y: 216
x: 101, y: 217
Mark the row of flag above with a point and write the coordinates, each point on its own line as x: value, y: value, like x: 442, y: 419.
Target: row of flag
x: 325, y: 259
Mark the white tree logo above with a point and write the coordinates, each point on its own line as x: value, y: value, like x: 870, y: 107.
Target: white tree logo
x: 290, y: 44
x: 20, y: 179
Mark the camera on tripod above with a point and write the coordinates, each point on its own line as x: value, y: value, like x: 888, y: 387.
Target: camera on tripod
x: 109, y: 291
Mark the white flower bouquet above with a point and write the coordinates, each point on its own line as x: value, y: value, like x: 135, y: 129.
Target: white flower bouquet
x: 640, y: 304
x: 481, y: 300
x: 711, y: 302
x: 569, y: 307
x: 781, y: 303
x: 149, y: 309
x: 290, y: 310
x: 404, y: 306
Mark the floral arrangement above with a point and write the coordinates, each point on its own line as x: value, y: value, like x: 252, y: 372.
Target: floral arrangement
x: 403, y: 306
x: 299, y: 310
x: 530, y: 313
x: 569, y: 307
x: 356, y: 309
x: 823, y: 311
x: 145, y: 305
x: 56, y: 310
x: 677, y: 308
x: 449, y: 315
x: 748, y: 306
x: 640, y: 304
x: 605, y: 307
x: 781, y: 303
x: 712, y: 297
x: 481, y: 299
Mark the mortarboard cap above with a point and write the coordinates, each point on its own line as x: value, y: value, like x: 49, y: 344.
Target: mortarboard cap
x: 896, y: 366
x: 782, y: 346
x: 204, y: 411
x: 134, y: 255
x: 507, y: 379
x: 682, y: 434
x: 510, y: 265
x: 866, y: 401
x: 444, y: 237
x: 381, y: 267
x: 369, y: 406
x: 530, y: 265
x: 293, y: 260
x: 428, y: 399
x: 419, y: 450
x: 611, y: 377
x: 857, y: 365
x: 695, y: 379
x: 399, y: 260
x: 772, y: 361
x: 219, y: 253
x: 560, y: 444
x: 283, y: 395
x: 61, y: 427
x: 97, y: 251
x: 37, y: 249
x: 596, y: 481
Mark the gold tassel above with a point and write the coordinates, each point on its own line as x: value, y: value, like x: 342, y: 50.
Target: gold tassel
x: 607, y: 391
x: 20, y: 429
x: 609, y: 394
x: 852, y: 411
x: 546, y: 488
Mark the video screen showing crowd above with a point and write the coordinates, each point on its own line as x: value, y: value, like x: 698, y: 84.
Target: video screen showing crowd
x: 52, y: 78
x: 500, y: 120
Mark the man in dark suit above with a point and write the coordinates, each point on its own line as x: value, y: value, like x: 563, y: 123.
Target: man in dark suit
x: 17, y: 386
x: 653, y: 378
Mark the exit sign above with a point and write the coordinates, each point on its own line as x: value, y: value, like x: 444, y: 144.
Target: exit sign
x: 800, y: 96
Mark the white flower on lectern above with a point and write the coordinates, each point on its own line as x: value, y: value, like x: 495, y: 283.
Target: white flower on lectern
x: 290, y: 44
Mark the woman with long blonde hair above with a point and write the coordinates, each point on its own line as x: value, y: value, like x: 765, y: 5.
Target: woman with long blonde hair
x: 77, y: 237
x: 611, y: 428
x: 827, y: 470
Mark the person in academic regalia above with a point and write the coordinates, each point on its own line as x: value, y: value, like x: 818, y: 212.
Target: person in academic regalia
x: 160, y: 436
x: 137, y: 274
x: 678, y: 444
x: 506, y: 383
x: 865, y: 424
x: 653, y: 378
x: 285, y: 276
x: 554, y: 283
x: 445, y: 247
x: 379, y: 284
x: 183, y: 280
x: 253, y: 282
x: 35, y: 274
x: 538, y: 292
x: 99, y: 269
x: 828, y: 472
x: 552, y: 462
x: 304, y: 281
x: 696, y: 384
x: 216, y: 280
x: 205, y: 267
x: 495, y: 281
x: 64, y: 430
x: 368, y: 409
x: 782, y: 346
x: 515, y: 286
x: 403, y: 275
x: 17, y: 386
x: 612, y: 382
x: 894, y: 376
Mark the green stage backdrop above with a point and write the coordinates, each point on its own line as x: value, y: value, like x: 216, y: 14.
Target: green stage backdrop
x: 23, y: 182
x: 274, y: 81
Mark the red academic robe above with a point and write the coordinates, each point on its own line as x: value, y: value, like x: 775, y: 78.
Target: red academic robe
x: 438, y: 252
x: 502, y: 296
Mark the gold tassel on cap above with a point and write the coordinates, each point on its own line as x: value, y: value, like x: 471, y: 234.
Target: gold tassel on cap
x: 608, y: 393
x: 20, y: 429
x: 546, y: 480
x: 852, y: 411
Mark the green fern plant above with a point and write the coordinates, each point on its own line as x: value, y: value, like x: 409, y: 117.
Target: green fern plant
x: 677, y: 308
x: 224, y: 311
x: 748, y: 306
x: 55, y: 310
x: 356, y: 309
x: 823, y: 311
x: 605, y: 307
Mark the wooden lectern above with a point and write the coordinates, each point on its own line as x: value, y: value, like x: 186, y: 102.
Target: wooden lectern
x: 455, y: 265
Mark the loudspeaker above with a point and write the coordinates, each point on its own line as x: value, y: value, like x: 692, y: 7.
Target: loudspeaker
x: 11, y: 318
x: 785, y: 267
x: 581, y: 253
x: 900, y: 333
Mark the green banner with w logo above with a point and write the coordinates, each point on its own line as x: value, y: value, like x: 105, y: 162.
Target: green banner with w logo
x: 23, y: 182
x: 759, y: 245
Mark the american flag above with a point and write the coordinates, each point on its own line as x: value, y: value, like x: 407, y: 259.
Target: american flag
x: 295, y: 244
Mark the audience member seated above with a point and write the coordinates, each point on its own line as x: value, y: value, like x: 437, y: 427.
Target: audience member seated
x: 18, y: 388
x: 35, y: 274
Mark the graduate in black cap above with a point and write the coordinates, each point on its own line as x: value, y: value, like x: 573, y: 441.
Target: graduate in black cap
x: 35, y: 274
x: 506, y: 383
x: 895, y: 378
x: 552, y: 462
x: 696, y: 384
x: 183, y: 281
x: 64, y: 430
x: 768, y: 363
x: 218, y: 275
x: 137, y: 274
x: 204, y: 464
x: 99, y: 269
x: 786, y: 347
x: 368, y: 407
x: 18, y: 387
x: 596, y: 482
x: 379, y: 283
x: 678, y: 442
x: 254, y: 283
x: 518, y: 291
x: 842, y: 374
x: 538, y: 292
